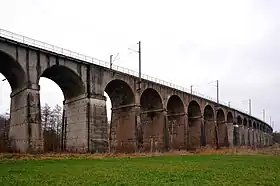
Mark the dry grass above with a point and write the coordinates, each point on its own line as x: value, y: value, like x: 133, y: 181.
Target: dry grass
x: 273, y: 150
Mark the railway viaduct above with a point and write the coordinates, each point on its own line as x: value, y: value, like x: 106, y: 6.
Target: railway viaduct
x: 146, y: 116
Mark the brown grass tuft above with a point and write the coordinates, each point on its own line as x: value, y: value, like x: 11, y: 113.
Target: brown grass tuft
x: 273, y: 150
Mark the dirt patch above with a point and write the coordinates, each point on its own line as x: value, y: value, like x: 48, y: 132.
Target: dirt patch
x: 273, y: 150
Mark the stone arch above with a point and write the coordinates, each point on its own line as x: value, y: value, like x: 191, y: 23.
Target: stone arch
x: 239, y: 121
x: 75, y: 108
x: 122, y: 125
x: 237, y: 133
x: 176, y: 122
x: 208, y: 131
x: 154, y: 129
x: 221, y: 128
x: 120, y: 93
x: 254, y: 125
x: 245, y: 123
x: 244, y: 137
x: 250, y: 132
x: 16, y: 77
x: 258, y: 135
x: 150, y: 99
x: 255, y: 136
x: 229, y: 117
x: 194, y: 122
x: 70, y: 83
x: 12, y: 71
x: 230, y: 129
x: 250, y: 123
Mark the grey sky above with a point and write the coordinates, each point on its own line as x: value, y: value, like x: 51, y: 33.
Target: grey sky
x: 184, y: 42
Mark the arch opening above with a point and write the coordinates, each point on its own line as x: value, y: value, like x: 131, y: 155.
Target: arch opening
x: 70, y: 83
x: 230, y: 129
x: 12, y: 78
x: 250, y: 132
x: 244, y: 132
x: 239, y: 121
x: 229, y: 118
x: 237, y: 132
x: 176, y: 123
x: 5, y: 91
x: 121, y: 118
x: 222, y: 129
x: 208, y: 132
x: 153, y: 122
x: 57, y: 115
x: 254, y: 125
x: 245, y: 124
x: 194, y: 122
x: 254, y: 137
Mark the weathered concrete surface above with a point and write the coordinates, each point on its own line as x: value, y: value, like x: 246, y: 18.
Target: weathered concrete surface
x: 230, y: 128
x: 177, y: 132
x: 147, y: 116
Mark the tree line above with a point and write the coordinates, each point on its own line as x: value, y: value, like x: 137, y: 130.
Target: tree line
x: 51, y: 122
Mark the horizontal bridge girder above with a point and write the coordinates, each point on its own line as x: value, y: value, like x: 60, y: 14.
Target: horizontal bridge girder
x: 123, y: 106
x: 195, y: 117
x: 176, y: 114
x: 150, y: 111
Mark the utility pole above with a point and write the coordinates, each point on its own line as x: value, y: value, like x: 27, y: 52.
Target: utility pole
x: 250, y: 106
x: 270, y: 120
x: 139, y: 53
x: 229, y: 104
x: 111, y: 61
x: 217, y: 91
x: 191, y: 89
x: 263, y: 115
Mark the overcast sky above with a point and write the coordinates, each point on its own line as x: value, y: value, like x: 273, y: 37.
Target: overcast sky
x: 183, y: 42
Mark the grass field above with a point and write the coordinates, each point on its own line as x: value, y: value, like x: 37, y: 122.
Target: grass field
x: 163, y: 170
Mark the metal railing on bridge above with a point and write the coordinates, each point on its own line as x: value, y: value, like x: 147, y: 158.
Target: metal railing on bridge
x: 69, y: 53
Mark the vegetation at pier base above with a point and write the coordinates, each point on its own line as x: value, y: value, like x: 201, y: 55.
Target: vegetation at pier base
x: 161, y: 170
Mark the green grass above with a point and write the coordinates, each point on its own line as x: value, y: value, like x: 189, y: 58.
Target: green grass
x: 179, y: 170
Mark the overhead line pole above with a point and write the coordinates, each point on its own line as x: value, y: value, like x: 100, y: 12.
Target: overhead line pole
x: 139, y: 51
x: 250, y: 106
x: 217, y: 91
x: 111, y: 61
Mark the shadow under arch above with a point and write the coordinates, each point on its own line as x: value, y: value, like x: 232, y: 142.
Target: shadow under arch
x: 194, y: 123
x: 176, y: 123
x: 153, y: 121
x: 208, y: 131
x: 12, y: 71
x: 122, y: 127
x: 70, y: 83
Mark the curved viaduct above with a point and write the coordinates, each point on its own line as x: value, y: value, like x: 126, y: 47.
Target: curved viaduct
x: 145, y: 117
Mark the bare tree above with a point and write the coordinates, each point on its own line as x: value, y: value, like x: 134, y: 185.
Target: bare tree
x: 51, y: 121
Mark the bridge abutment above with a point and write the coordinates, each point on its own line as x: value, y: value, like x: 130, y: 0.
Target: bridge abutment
x: 230, y: 128
x: 86, y: 125
x: 209, y: 126
x: 123, y: 128
x: 222, y: 134
x: 154, y: 125
x: 194, y: 133
x: 25, y: 132
x: 177, y: 131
